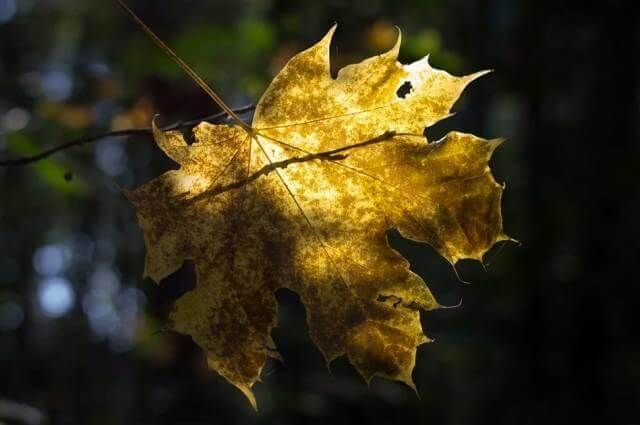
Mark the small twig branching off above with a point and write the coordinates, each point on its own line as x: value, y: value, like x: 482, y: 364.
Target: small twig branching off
x: 215, y: 118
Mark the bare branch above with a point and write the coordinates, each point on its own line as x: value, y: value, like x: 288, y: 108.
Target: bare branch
x: 331, y: 155
x: 119, y: 133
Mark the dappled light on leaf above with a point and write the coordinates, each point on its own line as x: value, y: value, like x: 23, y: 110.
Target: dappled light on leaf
x: 303, y: 199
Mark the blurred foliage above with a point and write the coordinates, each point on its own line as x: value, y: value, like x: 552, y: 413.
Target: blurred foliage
x: 50, y: 172
x: 546, y: 335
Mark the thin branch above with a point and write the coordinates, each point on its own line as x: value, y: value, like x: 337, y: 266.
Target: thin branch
x: 331, y: 155
x: 118, y: 133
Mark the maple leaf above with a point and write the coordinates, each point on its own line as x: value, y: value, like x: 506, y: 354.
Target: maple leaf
x: 303, y: 199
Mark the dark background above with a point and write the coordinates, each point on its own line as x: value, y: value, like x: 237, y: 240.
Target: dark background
x: 547, y: 335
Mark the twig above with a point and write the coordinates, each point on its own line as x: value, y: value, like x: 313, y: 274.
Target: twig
x: 331, y: 155
x: 119, y: 133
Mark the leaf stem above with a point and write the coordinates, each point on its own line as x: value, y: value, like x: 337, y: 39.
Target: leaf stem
x: 182, y: 64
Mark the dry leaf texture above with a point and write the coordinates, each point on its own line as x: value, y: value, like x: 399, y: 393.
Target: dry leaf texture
x: 304, y: 201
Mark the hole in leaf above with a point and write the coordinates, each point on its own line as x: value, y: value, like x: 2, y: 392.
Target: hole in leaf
x: 404, y: 89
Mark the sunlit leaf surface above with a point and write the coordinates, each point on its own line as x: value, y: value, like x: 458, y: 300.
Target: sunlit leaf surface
x: 304, y: 201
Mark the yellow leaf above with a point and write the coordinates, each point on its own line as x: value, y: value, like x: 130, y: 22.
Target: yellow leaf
x: 303, y: 199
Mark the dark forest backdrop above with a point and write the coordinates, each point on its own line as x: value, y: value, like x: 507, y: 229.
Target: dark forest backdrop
x: 546, y: 336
